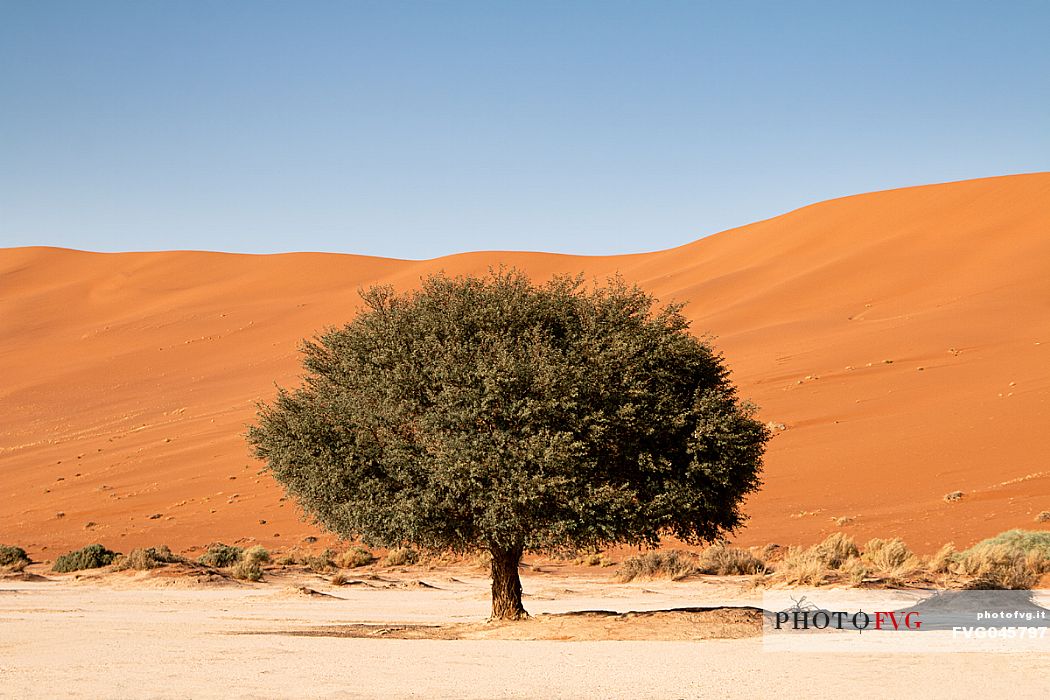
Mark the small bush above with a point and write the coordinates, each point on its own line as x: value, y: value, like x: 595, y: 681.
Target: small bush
x: 145, y: 559
x: 592, y: 559
x: 887, y: 555
x: 13, y: 558
x: 321, y: 563
x: 1000, y: 567
x: 1043, y: 517
x: 835, y: 550
x: 402, y: 556
x: 354, y: 557
x: 944, y: 560
x: 953, y: 496
x: 856, y: 571
x: 256, y: 555
x: 220, y: 555
x: 721, y: 560
x: 802, y: 567
x: 340, y: 579
x: 94, y: 556
x: 247, y: 570
x: 1021, y: 540
x: 674, y: 565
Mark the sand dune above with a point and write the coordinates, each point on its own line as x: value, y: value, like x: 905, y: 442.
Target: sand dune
x: 902, y: 338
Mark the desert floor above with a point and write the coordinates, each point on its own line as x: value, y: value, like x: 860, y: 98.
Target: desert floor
x: 160, y: 635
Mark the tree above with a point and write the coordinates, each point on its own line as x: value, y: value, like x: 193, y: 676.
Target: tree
x: 489, y: 413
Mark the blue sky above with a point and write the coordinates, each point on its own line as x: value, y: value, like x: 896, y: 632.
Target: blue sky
x: 417, y: 129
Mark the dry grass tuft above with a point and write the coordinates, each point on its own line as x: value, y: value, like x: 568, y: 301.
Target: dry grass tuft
x: 721, y: 560
x: 219, y: 555
x: 889, y: 555
x: 147, y: 558
x: 674, y: 564
x: 592, y: 559
x: 953, y: 496
x: 835, y: 550
x: 402, y: 556
x: 801, y: 567
x: 353, y: 558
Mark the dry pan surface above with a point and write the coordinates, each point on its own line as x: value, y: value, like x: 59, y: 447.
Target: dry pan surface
x: 156, y: 636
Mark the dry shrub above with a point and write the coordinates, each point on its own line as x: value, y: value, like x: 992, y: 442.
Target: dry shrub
x: 801, y: 567
x: 340, y: 579
x: 1043, y: 517
x: 944, y: 560
x: 147, y: 558
x: 353, y: 558
x: 291, y: 558
x: 674, y: 564
x: 856, y: 571
x: 93, y: 556
x: 834, y: 551
x: 247, y: 570
x: 13, y: 558
x: 402, y: 556
x: 953, y: 496
x: 219, y: 555
x: 321, y: 563
x: 1000, y: 567
x: 721, y: 560
x: 256, y: 554
x: 592, y: 559
x: 887, y: 555
x: 772, y: 553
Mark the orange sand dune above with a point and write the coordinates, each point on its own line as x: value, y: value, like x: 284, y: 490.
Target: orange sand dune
x: 902, y: 337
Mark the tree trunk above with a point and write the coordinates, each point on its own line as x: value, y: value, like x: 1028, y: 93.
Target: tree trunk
x: 506, y: 586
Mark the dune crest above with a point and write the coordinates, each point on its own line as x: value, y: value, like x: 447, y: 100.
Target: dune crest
x: 898, y: 341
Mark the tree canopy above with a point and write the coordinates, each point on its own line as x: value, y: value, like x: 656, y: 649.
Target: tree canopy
x: 496, y: 414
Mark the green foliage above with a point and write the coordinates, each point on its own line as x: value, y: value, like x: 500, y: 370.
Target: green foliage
x: 1024, y: 541
x: 93, y: 556
x: 220, y: 555
x: 493, y: 413
x: 13, y: 558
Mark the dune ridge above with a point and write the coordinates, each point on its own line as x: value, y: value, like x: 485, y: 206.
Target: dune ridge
x: 901, y: 338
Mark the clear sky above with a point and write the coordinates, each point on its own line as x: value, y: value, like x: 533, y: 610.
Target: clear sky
x: 416, y: 129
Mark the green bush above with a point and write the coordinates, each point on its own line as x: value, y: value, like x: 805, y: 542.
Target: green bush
x: 220, y: 555
x: 13, y: 558
x: 93, y: 556
x: 1025, y: 541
